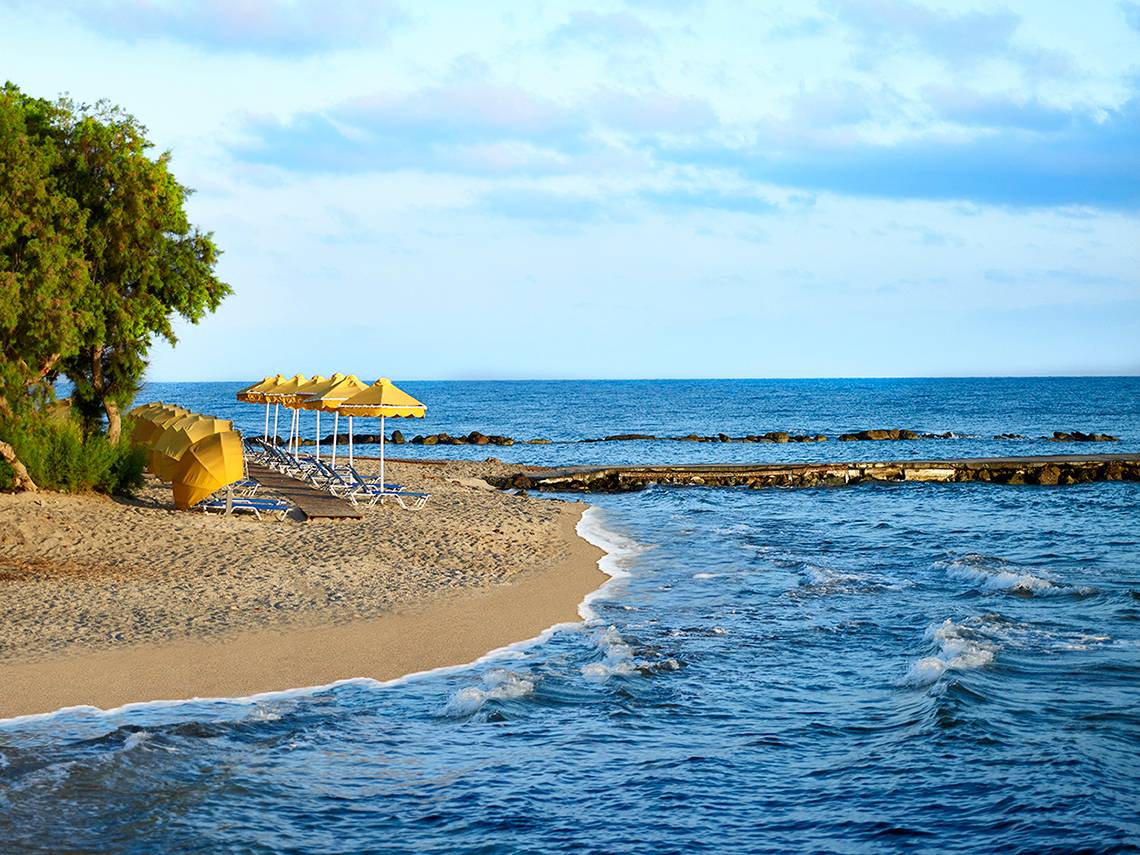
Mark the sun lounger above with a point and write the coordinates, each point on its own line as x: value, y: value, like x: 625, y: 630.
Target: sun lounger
x: 238, y: 504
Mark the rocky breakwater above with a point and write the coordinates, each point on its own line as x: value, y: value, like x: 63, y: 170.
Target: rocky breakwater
x: 473, y: 438
x: 1049, y: 471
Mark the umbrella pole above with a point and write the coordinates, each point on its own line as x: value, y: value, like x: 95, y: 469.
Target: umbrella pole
x: 381, y: 459
x: 267, y: 421
x: 336, y: 424
x: 318, y: 434
x: 350, y: 442
x: 296, y: 434
x: 276, y: 413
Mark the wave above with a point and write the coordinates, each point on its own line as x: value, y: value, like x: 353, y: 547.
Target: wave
x: 961, y: 647
x: 498, y: 684
x: 993, y: 574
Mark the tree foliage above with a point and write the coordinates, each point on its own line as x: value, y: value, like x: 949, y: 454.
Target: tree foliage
x: 97, y: 255
x: 44, y: 281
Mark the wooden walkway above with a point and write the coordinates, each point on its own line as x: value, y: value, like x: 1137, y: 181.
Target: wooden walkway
x: 1044, y: 469
x: 313, y: 503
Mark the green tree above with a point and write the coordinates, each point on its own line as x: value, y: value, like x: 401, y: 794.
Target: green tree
x: 146, y: 262
x: 43, y: 274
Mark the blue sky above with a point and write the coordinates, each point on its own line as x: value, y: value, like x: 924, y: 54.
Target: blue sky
x: 637, y: 189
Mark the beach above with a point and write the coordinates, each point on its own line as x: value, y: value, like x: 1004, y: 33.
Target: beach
x: 115, y: 601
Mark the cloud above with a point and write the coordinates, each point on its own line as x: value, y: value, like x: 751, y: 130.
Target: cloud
x: 471, y: 128
x: 541, y: 205
x: 883, y: 24
x: 737, y: 203
x: 1131, y: 12
x: 603, y: 30
x: 1085, y: 162
x: 967, y: 107
x: 652, y: 112
x: 287, y: 27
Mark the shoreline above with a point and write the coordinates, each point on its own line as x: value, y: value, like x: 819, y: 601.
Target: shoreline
x: 448, y: 632
x: 112, y: 603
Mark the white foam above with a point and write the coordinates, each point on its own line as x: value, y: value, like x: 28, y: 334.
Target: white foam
x: 617, y: 657
x: 618, y: 549
x: 992, y: 575
x: 705, y: 575
x: 959, y: 649
x: 498, y: 684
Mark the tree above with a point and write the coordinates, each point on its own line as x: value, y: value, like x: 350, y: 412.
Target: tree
x: 146, y: 262
x: 43, y: 275
x: 97, y: 257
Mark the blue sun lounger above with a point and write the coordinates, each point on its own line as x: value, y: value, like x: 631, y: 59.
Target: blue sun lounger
x: 244, y: 504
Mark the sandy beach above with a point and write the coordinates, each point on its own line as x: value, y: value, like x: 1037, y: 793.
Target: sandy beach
x: 113, y: 601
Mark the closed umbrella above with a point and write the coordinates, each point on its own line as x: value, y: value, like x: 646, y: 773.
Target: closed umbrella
x: 157, y: 426
x: 208, y: 465
x: 383, y: 399
x: 178, y: 437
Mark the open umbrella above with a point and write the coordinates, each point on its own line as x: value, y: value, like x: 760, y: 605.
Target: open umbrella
x: 208, y: 465
x: 280, y: 393
x: 294, y: 401
x: 316, y: 390
x: 329, y: 401
x: 383, y: 399
x: 255, y: 395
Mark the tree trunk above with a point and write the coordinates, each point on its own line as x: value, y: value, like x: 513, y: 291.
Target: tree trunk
x: 22, y: 480
x: 114, y: 421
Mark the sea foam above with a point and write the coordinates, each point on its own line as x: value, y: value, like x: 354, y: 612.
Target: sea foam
x: 960, y: 648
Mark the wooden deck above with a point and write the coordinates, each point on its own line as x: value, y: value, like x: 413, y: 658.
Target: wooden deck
x: 1045, y: 469
x: 313, y: 503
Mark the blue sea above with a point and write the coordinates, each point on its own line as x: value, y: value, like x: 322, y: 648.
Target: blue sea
x: 890, y: 667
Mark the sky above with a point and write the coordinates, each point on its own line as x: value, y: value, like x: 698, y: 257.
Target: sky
x: 456, y: 190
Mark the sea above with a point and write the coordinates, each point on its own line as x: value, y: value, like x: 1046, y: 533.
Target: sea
x: 883, y: 667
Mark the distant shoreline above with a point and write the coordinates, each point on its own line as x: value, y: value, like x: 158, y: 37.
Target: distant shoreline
x: 518, y: 572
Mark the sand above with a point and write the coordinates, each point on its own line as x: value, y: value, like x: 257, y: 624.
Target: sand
x: 113, y: 601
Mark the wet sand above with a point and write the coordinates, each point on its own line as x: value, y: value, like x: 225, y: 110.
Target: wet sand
x: 109, y: 602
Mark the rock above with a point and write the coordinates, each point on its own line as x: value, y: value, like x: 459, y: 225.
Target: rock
x: 625, y: 437
x: 492, y: 460
x: 500, y: 440
x: 428, y: 440
x: 723, y: 437
x: 397, y: 438
x: 538, y: 441
x: 1078, y: 436
x: 476, y: 438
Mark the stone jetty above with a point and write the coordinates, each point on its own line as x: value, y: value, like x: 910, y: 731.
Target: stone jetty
x: 1045, y: 470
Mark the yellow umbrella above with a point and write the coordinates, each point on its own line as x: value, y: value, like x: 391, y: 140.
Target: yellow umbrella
x: 178, y: 437
x: 255, y: 394
x: 143, y: 417
x: 330, y: 399
x: 314, y: 389
x: 382, y: 399
x: 153, y: 429
x: 208, y: 465
x: 293, y: 401
x: 281, y: 392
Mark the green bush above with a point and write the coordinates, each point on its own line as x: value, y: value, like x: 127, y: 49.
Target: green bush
x: 59, y: 456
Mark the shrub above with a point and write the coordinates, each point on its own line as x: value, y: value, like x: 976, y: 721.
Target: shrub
x: 59, y: 456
